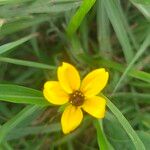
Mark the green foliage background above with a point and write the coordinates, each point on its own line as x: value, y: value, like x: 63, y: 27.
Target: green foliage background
x: 37, y: 35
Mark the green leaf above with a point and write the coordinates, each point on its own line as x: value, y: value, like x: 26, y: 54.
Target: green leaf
x: 20, y: 94
x: 146, y: 2
x: 20, y: 24
x: 116, y: 134
x: 79, y: 16
x: 101, y: 138
x: 103, y: 27
x: 6, y: 145
x: 144, y: 76
x: 2, y: 2
x: 7, y: 47
x: 125, y: 124
x: 46, y: 6
x: 127, y: 25
x: 145, y: 137
x: 143, y: 8
x: 37, y: 7
x: 142, y: 49
x: 26, y: 63
x: 115, y: 17
x: 1, y: 22
x: 12, y: 123
x: 26, y: 131
x: 140, y: 97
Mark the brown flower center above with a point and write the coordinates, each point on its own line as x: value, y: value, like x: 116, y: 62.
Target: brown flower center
x: 76, y: 98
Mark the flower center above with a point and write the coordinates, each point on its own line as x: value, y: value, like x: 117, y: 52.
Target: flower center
x: 76, y: 98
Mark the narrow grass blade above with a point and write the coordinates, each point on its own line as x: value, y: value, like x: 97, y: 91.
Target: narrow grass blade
x: 116, y: 21
x: 126, y: 25
x: 1, y: 22
x: 20, y: 94
x: 38, y: 7
x: 4, y: 2
x: 138, y: 54
x: 35, y: 130
x: 140, y: 97
x: 84, y: 31
x: 17, y: 25
x: 79, y: 16
x: 7, y: 47
x: 12, y: 123
x: 101, y: 138
x: 125, y: 124
x: 103, y: 27
x: 141, y: 75
x: 52, y: 8
x: 5, y: 145
x: 143, y: 6
x: 146, y: 2
x: 26, y: 63
x: 144, y: 76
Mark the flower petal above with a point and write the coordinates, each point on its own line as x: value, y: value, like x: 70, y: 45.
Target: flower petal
x: 95, y: 106
x: 71, y: 118
x: 94, y: 82
x: 68, y: 77
x: 54, y: 93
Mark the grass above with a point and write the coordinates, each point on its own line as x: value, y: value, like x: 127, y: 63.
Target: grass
x: 36, y: 36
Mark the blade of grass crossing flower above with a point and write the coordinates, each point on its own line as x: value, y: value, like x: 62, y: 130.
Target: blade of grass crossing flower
x: 7, y: 47
x: 12, y: 123
x: 79, y: 16
x: 20, y: 94
x: 142, y: 49
x: 116, y: 21
x: 125, y: 124
x: 26, y: 63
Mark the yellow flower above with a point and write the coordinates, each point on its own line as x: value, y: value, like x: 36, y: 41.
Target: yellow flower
x: 79, y: 95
